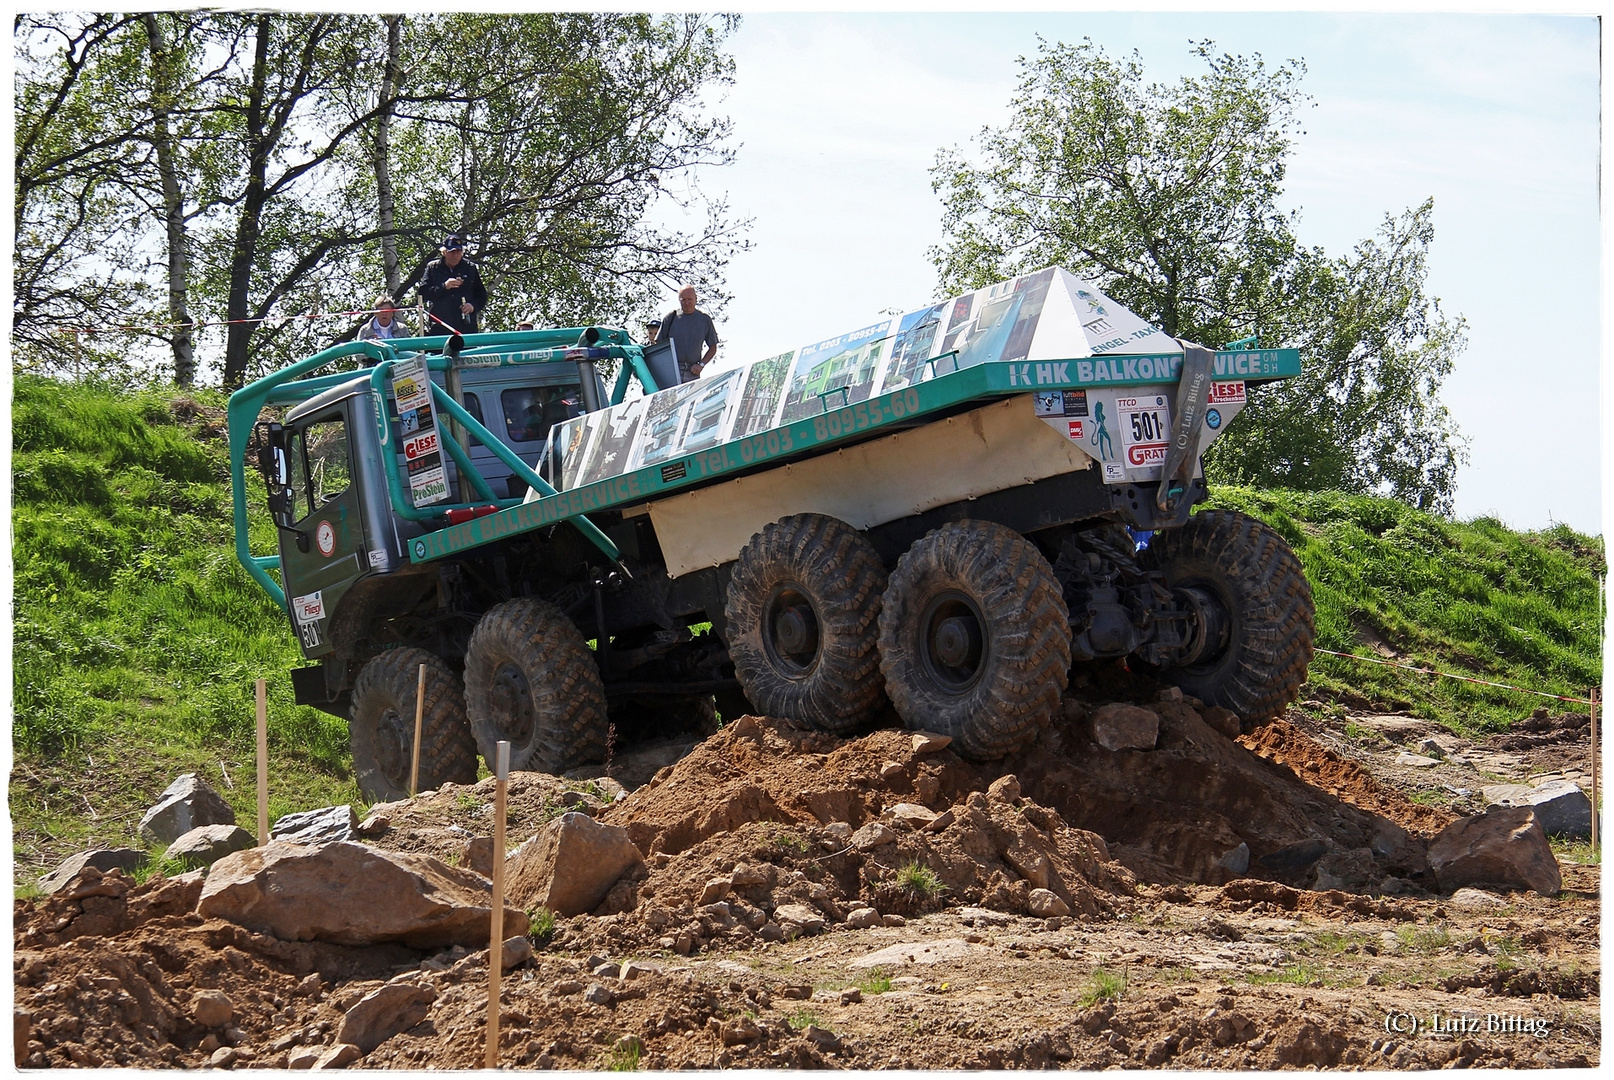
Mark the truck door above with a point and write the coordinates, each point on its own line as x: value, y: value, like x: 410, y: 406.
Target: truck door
x: 325, y: 550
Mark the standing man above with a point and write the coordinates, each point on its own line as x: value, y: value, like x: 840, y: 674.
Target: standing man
x: 453, y: 290
x: 384, y: 325
x: 689, y: 330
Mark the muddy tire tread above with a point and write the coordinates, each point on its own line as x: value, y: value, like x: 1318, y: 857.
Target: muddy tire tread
x: 838, y: 567
x: 447, y: 747
x: 1276, y: 645
x: 1028, y: 626
x: 568, y: 694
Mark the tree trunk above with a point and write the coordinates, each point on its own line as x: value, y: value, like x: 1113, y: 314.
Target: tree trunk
x: 250, y: 226
x: 382, y: 160
x: 162, y: 101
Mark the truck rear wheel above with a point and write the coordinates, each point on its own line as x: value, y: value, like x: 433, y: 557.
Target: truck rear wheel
x: 1257, y: 621
x: 975, y: 638
x: 382, y: 731
x: 803, y: 610
x: 530, y: 678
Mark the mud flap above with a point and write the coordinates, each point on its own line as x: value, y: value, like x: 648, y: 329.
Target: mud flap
x: 1192, y: 390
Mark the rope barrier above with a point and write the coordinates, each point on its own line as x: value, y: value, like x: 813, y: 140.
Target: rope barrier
x: 1459, y: 678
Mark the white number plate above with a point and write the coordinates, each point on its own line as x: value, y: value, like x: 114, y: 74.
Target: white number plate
x: 1145, y: 429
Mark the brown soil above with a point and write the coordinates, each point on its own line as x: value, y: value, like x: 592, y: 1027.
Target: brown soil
x: 1210, y: 970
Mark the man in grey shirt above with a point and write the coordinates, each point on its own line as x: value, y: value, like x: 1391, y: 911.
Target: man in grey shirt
x: 690, y: 331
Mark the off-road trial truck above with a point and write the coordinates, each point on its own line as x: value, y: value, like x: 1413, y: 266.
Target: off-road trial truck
x: 935, y: 514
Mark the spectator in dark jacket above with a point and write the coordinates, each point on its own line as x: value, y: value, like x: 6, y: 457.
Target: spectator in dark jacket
x: 453, y: 290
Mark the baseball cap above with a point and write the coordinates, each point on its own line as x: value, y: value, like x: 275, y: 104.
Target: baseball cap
x: 455, y: 240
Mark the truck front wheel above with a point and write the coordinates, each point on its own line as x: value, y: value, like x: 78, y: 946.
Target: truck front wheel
x: 530, y: 679
x: 803, y: 609
x: 1252, y: 640
x: 975, y: 638
x: 382, y: 731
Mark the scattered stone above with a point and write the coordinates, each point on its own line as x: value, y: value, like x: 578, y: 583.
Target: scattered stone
x: 514, y: 952
x: 327, y: 825
x: 566, y: 988
x: 1347, y: 869
x: 893, y: 920
x: 1005, y: 789
x: 1119, y: 726
x: 103, y: 859
x: 207, y: 844
x: 852, y: 995
x: 771, y: 931
x: 633, y: 969
x: 928, y: 742
x: 840, y: 832
x: 629, y: 1044
x: 826, y: 1041
x: 918, y: 952
x: 1561, y: 807
x: 211, y: 1008
x: 339, y: 1056
x: 478, y: 855
x: 1224, y: 721
x: 1237, y: 861
x: 571, y: 865
x: 309, y: 987
x: 803, y: 918
x: 1169, y: 693
x: 714, y: 890
x: 187, y: 803
x: 862, y: 919
x: 1044, y: 904
x: 742, y: 1029
x: 597, y: 994
x: 890, y: 770
x: 941, y: 821
x: 912, y: 814
x: 1475, y: 900
x: 1430, y: 748
x: 1499, y: 847
x: 305, y: 1058
x: 350, y: 894
x: 374, y: 825
x: 383, y: 1013
x: 222, y: 1058
x: 873, y: 835
x: 1416, y: 761
x: 610, y: 969
x: 743, y: 876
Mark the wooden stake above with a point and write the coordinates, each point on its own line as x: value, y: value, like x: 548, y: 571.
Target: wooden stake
x: 263, y: 762
x: 496, y: 937
x: 420, y: 709
x: 1595, y: 695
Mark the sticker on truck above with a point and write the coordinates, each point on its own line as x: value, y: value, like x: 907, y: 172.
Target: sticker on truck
x: 309, y: 607
x: 1226, y: 393
x: 325, y: 537
x: 417, y: 421
x: 1144, y: 423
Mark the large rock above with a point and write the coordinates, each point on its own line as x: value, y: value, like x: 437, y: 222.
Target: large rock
x: 350, y: 894
x: 1119, y: 726
x: 385, y: 1012
x: 570, y: 866
x: 327, y: 825
x: 187, y: 803
x: 1504, y: 847
x: 1560, y: 806
x: 127, y: 859
x: 207, y: 844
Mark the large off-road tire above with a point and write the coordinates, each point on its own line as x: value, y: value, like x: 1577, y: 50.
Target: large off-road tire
x: 530, y: 678
x: 803, y: 610
x: 975, y: 638
x: 1257, y: 660
x: 382, y: 731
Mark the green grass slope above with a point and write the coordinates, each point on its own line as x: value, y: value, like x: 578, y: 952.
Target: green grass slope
x: 1471, y: 598
x: 138, y: 636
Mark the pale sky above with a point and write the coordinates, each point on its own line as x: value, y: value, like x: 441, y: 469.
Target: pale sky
x: 1495, y: 116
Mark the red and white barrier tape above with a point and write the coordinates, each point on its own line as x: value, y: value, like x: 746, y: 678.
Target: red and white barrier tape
x: 1459, y: 678
x: 222, y: 322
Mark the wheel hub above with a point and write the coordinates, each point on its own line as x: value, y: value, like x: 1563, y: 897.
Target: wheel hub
x: 1209, y: 626
x: 790, y: 635
x: 952, y: 644
x: 511, y: 698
